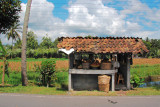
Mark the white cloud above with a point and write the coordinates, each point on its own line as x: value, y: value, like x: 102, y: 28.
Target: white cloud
x: 88, y: 19
x: 139, y: 9
x: 100, y: 19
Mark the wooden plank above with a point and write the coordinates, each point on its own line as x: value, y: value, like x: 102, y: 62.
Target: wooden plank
x: 82, y: 71
x: 128, y: 73
x: 113, y: 85
x: 69, y: 83
x: 71, y: 60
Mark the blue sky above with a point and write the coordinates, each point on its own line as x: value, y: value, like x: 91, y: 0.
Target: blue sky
x: 56, y: 18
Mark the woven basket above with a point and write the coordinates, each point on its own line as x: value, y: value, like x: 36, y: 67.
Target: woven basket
x: 86, y: 65
x: 106, y: 66
x: 103, y: 83
x: 104, y: 87
x: 103, y: 79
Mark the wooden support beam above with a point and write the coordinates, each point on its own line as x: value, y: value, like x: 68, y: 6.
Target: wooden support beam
x: 71, y: 60
x: 113, y: 82
x: 128, y: 73
x: 69, y: 82
x: 82, y: 71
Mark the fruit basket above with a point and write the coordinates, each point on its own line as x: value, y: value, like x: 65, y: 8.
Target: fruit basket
x: 85, y: 65
x: 95, y: 65
x: 106, y: 65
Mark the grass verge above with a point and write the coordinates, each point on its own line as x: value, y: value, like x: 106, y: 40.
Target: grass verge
x: 54, y: 91
x: 32, y: 90
x: 144, y: 91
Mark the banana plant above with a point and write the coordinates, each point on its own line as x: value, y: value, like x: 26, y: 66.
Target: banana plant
x: 3, y: 55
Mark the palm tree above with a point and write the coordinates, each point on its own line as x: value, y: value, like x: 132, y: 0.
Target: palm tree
x: 24, y: 42
x: 13, y: 33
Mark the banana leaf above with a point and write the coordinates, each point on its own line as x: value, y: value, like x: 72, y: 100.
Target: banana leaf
x: 2, y: 50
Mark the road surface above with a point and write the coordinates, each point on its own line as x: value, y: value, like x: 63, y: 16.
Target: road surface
x: 23, y: 100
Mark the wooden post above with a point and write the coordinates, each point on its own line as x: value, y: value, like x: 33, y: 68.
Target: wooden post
x: 128, y: 73
x: 113, y: 85
x: 71, y: 61
x: 69, y: 82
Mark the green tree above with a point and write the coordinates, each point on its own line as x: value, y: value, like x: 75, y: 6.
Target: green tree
x: 55, y: 43
x: 155, y: 43
x: 13, y: 33
x: 47, y: 70
x: 32, y: 42
x: 18, y: 44
x: 9, y: 14
x: 46, y: 42
x: 153, y: 46
x: 148, y: 45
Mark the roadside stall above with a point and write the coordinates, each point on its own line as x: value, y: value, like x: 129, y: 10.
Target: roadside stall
x: 93, y: 58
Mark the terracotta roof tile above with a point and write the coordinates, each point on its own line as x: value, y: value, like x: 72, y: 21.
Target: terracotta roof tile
x: 103, y: 45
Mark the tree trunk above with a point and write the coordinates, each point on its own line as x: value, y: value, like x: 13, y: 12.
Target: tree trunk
x: 43, y: 80
x: 24, y: 40
x: 12, y: 48
x: 4, y: 63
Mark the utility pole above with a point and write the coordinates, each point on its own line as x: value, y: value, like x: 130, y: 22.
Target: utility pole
x: 24, y: 42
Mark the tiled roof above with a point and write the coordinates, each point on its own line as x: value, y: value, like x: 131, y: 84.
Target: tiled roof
x: 103, y: 45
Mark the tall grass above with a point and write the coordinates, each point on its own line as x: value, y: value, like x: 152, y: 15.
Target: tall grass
x: 15, y: 77
x: 60, y: 77
x: 145, y: 70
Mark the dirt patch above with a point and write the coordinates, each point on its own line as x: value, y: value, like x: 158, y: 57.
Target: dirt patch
x: 144, y: 61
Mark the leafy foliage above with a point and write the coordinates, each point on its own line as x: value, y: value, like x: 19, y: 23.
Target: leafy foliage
x: 153, y: 46
x: 9, y: 10
x: 32, y: 42
x: 18, y: 44
x: 61, y: 78
x: 55, y: 43
x: 3, y: 52
x: 136, y: 81
x: 6, y: 68
x: 47, y: 70
x: 46, y: 42
x: 3, y: 55
x: 13, y: 32
x: 37, y: 53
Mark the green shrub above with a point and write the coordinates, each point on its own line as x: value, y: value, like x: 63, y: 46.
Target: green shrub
x: 47, y: 70
x: 136, y: 80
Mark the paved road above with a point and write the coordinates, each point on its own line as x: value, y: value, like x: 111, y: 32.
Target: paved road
x: 22, y: 100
